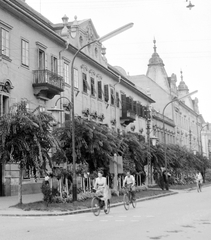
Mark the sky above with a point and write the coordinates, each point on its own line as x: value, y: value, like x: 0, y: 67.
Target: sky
x: 183, y: 36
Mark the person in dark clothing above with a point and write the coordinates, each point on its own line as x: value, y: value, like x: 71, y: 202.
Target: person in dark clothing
x: 165, y: 179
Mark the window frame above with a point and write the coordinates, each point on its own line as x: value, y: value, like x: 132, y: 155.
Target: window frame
x: 7, y: 41
x: 26, y: 62
x: 112, y: 96
x: 40, y: 50
x: 54, y: 64
x: 99, y: 93
x: 86, y: 86
x: 66, y: 72
x: 92, y: 83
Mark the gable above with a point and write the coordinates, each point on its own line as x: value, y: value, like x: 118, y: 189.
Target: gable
x: 88, y: 29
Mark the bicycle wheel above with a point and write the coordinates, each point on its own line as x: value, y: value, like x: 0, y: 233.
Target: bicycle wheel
x: 126, y: 201
x: 95, y: 206
x: 197, y: 187
x: 133, y: 201
x: 108, y: 208
x: 200, y: 186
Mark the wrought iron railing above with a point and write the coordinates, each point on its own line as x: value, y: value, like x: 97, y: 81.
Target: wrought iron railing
x: 46, y: 76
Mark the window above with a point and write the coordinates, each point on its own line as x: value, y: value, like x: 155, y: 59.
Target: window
x: 76, y: 82
x: 24, y: 53
x: 3, y: 104
x: 5, y: 42
x: 85, y: 83
x: 99, y: 90
x: 93, y: 92
x: 66, y: 73
x: 54, y: 64
x: 112, y: 96
x: 106, y: 93
x: 41, y: 59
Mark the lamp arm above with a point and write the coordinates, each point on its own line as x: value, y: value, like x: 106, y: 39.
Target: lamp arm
x: 64, y: 98
x: 80, y: 50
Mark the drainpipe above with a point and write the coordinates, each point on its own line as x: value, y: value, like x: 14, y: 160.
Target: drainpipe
x: 119, y: 80
x: 60, y: 72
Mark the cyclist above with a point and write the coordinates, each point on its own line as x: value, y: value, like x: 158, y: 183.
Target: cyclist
x: 199, y: 178
x: 102, y: 190
x: 130, y: 182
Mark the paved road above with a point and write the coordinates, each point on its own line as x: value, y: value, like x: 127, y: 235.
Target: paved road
x: 183, y: 216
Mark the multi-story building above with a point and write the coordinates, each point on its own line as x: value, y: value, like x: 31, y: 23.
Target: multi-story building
x: 182, y: 120
x: 206, y: 140
x: 35, y: 60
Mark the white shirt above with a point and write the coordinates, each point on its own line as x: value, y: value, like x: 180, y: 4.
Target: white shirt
x: 199, y: 176
x: 129, y: 180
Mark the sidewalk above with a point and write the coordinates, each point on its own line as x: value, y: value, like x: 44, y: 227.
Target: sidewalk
x: 7, y: 202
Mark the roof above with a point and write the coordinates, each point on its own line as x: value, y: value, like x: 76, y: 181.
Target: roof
x: 33, y: 12
x: 131, y: 84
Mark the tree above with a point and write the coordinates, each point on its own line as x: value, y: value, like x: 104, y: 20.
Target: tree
x: 95, y: 144
x: 26, y: 139
x: 135, y: 152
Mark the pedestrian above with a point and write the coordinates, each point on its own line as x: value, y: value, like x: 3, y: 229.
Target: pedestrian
x: 199, y: 178
x: 165, y: 179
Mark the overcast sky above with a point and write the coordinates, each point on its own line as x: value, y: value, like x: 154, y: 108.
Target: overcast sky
x: 183, y: 36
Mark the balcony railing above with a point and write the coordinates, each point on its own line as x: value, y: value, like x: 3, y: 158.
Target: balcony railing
x: 46, y: 76
x: 47, y: 84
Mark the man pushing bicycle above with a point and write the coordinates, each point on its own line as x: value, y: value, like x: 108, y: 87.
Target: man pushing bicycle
x: 129, y: 181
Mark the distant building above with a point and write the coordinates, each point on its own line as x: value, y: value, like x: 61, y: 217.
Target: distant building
x: 182, y: 118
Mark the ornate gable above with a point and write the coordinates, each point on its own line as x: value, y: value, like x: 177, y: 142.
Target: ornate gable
x: 87, y: 28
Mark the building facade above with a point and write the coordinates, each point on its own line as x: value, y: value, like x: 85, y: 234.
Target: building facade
x: 35, y: 62
x: 182, y: 120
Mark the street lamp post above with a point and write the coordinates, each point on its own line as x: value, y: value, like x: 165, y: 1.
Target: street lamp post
x: 148, y: 145
x: 101, y: 39
x: 201, y: 137
x: 61, y: 110
x: 164, y: 135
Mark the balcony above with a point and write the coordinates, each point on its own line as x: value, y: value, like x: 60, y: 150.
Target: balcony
x: 128, y: 116
x: 128, y: 113
x: 47, y: 84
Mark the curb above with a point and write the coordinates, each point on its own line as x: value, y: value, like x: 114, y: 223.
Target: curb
x: 84, y: 210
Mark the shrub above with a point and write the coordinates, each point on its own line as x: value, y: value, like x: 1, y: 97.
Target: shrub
x: 47, y: 192
x: 208, y: 175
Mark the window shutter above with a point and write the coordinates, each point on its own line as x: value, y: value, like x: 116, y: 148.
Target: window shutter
x: 117, y: 99
x: 141, y: 111
x: 99, y: 89
x: 134, y: 107
x: 106, y: 93
x: 87, y: 85
x: 124, y: 100
x: 138, y: 109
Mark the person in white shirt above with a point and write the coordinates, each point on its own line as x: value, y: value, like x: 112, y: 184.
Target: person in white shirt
x: 129, y: 181
x: 199, y: 178
x: 102, y: 189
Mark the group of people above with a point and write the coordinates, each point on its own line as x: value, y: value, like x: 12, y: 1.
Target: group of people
x: 102, y: 189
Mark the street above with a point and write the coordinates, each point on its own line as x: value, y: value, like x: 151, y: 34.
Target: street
x: 186, y: 215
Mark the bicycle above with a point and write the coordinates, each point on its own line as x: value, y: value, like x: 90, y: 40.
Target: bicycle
x: 128, y: 199
x: 97, y: 205
x: 199, y: 186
